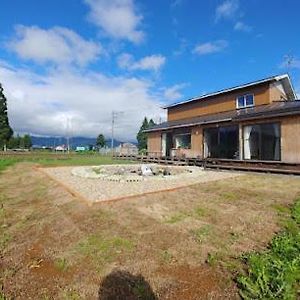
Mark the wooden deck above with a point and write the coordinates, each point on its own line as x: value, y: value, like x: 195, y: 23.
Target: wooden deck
x: 221, y: 164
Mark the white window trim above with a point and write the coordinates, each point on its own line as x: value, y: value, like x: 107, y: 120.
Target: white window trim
x: 245, y: 106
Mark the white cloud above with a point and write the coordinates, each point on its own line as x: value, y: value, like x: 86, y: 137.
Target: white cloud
x: 147, y: 63
x: 240, y: 26
x: 57, y: 45
x: 174, y: 92
x: 118, y: 19
x: 42, y: 104
x: 211, y: 47
x: 227, y: 10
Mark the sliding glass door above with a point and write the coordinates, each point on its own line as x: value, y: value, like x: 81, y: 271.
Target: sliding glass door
x: 221, y: 142
x: 262, y: 141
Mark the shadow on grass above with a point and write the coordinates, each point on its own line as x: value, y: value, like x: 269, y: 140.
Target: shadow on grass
x: 121, y: 285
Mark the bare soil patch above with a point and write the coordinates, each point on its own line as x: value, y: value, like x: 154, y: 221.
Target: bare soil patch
x: 182, y: 244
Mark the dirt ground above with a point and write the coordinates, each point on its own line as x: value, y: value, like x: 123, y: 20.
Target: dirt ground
x: 172, y: 245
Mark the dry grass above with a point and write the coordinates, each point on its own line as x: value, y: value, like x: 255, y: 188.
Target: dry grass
x: 182, y: 243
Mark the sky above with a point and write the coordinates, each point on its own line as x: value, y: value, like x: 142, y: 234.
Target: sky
x: 66, y: 65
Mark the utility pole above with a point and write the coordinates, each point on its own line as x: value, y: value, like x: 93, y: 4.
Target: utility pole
x: 114, y: 115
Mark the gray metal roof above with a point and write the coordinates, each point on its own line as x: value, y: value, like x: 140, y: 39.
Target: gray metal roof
x: 275, y: 109
x: 284, y: 79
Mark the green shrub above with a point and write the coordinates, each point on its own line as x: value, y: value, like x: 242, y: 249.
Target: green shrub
x: 275, y: 273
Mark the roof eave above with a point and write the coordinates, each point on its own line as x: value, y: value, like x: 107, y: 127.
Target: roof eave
x: 269, y: 79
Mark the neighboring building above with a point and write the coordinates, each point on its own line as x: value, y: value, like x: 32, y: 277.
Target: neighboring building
x: 81, y: 148
x: 127, y: 149
x: 60, y: 148
x: 255, y: 121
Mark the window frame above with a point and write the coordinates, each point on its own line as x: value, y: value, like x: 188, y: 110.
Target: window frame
x: 244, y: 97
x: 181, y: 134
x: 279, y: 124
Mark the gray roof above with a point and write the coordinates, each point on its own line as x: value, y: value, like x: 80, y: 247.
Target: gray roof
x: 275, y: 109
x: 284, y: 79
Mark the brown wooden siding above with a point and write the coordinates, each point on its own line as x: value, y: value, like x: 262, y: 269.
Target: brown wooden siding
x: 221, y: 103
x: 290, y: 139
x: 154, y: 142
x: 276, y: 94
x: 197, y: 141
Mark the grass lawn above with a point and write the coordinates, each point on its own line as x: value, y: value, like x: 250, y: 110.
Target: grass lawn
x: 184, y: 244
x: 49, y: 159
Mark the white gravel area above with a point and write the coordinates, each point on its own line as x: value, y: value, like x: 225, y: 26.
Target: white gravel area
x: 98, y: 189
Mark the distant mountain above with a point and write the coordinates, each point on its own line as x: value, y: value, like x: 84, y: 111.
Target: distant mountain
x: 74, y: 141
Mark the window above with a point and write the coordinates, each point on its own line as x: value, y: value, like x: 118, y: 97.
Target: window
x: 245, y: 101
x: 183, y: 141
x: 221, y: 142
x: 262, y: 141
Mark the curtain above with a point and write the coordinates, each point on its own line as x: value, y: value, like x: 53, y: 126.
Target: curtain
x: 247, y: 151
x: 277, y: 142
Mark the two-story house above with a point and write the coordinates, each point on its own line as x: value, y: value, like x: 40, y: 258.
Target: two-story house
x: 254, y: 121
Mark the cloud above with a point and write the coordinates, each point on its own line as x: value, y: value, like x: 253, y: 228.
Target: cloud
x: 147, y: 63
x: 118, y: 19
x: 240, y: 26
x: 176, y: 3
x: 57, y: 45
x: 227, y: 10
x: 174, y: 92
x: 43, y: 104
x: 211, y: 47
x: 290, y: 62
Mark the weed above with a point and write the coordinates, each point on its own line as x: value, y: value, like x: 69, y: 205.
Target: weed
x: 61, y: 264
x: 104, y: 249
x: 140, y: 291
x: 178, y: 217
x: 2, y: 296
x: 201, y: 233
x: 4, y: 240
x: 275, y: 273
x: 230, y: 196
x: 213, y: 259
x: 200, y: 212
x: 296, y: 212
x: 234, y: 236
x: 280, y: 208
x: 166, y: 256
x: 4, y: 163
x: 71, y: 295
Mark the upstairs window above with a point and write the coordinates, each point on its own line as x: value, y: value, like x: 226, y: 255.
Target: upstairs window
x: 245, y: 101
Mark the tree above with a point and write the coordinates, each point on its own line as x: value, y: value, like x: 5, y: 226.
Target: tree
x: 142, y: 136
x: 27, y: 141
x: 5, y: 130
x: 151, y: 123
x: 100, y: 142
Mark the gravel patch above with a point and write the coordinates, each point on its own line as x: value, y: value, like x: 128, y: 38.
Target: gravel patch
x: 95, y: 188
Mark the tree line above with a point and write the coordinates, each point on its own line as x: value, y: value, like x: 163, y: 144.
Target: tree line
x: 7, y: 139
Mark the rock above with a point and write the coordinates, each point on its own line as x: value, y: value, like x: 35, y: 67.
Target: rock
x: 146, y: 170
x: 166, y: 172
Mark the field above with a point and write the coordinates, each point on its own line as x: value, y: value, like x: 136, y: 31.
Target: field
x: 184, y: 244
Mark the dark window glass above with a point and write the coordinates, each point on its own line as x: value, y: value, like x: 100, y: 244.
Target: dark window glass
x: 222, y: 142
x: 249, y: 100
x: 241, y: 102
